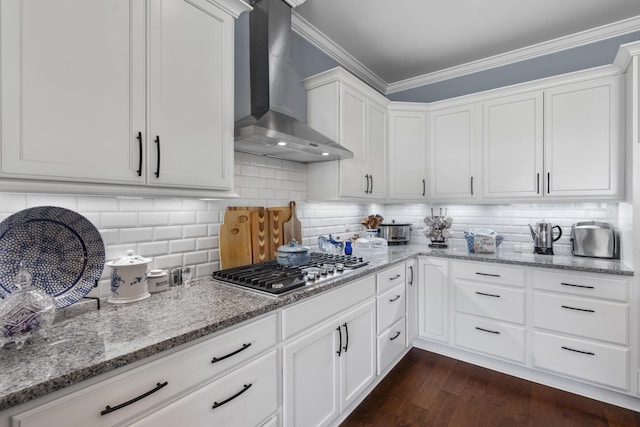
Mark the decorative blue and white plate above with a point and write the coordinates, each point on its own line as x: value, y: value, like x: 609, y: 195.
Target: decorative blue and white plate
x: 61, y: 249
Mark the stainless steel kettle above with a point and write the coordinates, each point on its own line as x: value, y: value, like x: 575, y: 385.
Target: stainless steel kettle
x: 543, y: 238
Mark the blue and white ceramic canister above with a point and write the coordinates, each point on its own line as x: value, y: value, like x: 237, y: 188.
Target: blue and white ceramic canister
x: 129, y: 278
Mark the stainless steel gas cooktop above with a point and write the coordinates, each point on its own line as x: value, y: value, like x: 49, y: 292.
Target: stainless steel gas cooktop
x: 275, y: 279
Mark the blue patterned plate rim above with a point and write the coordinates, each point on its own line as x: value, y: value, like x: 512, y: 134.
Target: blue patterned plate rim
x: 62, y: 250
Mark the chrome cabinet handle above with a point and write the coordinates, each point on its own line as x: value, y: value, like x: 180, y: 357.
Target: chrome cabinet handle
x: 233, y: 353
x: 139, y: 138
x: 108, y: 409
x: 229, y: 399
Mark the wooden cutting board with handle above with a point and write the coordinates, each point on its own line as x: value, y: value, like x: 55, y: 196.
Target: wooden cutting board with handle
x: 276, y: 218
x: 235, y: 239
x: 260, y: 235
x: 292, y: 229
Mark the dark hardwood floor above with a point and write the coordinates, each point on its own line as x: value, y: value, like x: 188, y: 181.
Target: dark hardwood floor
x: 426, y: 389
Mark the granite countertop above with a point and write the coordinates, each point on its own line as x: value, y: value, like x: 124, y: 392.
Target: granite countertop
x: 85, y: 342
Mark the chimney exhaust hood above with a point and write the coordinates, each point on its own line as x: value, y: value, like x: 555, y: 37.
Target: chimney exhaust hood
x: 270, y: 130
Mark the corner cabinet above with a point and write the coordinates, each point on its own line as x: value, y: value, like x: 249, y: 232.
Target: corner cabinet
x: 408, y: 152
x: 111, y: 92
x: 355, y: 116
x: 433, y: 298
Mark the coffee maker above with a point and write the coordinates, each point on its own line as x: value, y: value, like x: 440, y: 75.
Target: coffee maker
x: 543, y: 238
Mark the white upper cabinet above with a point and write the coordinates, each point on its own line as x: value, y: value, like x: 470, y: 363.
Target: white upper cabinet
x: 355, y: 116
x: 118, y: 92
x: 453, y: 153
x: 408, y: 152
x: 512, y: 141
x: 73, y: 94
x: 581, y: 139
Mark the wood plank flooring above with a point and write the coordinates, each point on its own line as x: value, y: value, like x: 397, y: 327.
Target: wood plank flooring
x: 427, y: 389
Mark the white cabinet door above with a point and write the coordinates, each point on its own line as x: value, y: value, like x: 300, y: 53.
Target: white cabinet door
x: 311, y: 367
x: 190, y: 95
x: 353, y: 117
x: 452, y: 154
x: 358, y: 368
x: 512, y: 140
x: 72, y: 89
x: 408, y: 154
x: 581, y: 140
x: 433, y: 295
x: 376, y: 160
x: 329, y: 367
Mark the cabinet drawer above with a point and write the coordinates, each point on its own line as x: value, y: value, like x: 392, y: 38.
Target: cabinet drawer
x: 489, y: 273
x: 391, y: 344
x: 311, y: 312
x: 245, y: 397
x: 493, y: 302
x: 601, y: 320
x: 496, y: 339
x: 391, y: 307
x: 595, y: 286
x: 179, y: 370
x: 391, y: 277
x: 598, y: 363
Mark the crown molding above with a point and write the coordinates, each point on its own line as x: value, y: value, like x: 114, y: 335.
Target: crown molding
x: 346, y: 60
x: 341, y: 56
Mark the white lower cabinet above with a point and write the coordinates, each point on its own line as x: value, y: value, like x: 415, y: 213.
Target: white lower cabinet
x: 493, y: 338
x: 244, y: 397
x: 152, y: 386
x: 328, y: 367
x: 433, y: 297
x: 391, y: 305
x: 412, y: 300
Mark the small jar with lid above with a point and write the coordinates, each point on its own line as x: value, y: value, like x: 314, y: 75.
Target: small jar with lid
x: 157, y: 280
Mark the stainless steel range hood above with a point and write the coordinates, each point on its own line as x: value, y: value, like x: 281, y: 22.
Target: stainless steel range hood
x: 270, y: 130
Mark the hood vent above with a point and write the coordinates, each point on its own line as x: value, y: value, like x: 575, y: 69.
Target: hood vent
x: 270, y: 130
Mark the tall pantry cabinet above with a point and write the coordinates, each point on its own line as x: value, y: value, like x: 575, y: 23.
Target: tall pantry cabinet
x: 118, y: 92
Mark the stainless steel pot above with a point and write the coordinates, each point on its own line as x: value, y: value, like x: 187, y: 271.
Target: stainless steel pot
x: 395, y: 233
x: 293, y: 254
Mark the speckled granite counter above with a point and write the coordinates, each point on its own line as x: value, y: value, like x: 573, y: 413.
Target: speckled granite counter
x: 85, y: 342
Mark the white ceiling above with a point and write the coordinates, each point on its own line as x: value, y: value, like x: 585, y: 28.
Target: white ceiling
x: 399, y: 44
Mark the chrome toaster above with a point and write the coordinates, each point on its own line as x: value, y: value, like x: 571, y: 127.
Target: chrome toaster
x: 595, y: 239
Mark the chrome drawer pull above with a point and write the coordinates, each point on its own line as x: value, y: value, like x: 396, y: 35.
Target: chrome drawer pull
x: 487, y: 274
x: 578, y: 351
x: 577, y: 286
x: 488, y: 295
x: 394, y: 337
x: 395, y: 299
x: 108, y: 409
x: 578, y: 309
x: 233, y: 353
x: 245, y: 388
x: 397, y: 276
x: 487, y: 330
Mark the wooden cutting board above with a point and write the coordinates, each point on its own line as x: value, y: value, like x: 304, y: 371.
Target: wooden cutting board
x: 276, y: 217
x: 292, y: 229
x: 235, y: 239
x: 260, y: 235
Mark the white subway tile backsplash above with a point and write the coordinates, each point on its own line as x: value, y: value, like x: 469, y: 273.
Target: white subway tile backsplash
x: 97, y: 204
x: 195, y: 230
x: 135, y: 205
x: 153, y: 249
x: 168, y: 261
x: 118, y: 219
x: 134, y: 235
x: 181, y: 246
x: 182, y: 218
x: 195, y: 258
x: 148, y: 219
x: 167, y: 233
x: 68, y: 202
x: 205, y: 243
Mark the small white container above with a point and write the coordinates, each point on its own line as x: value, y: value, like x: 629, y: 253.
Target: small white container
x: 129, y: 278
x: 157, y: 280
